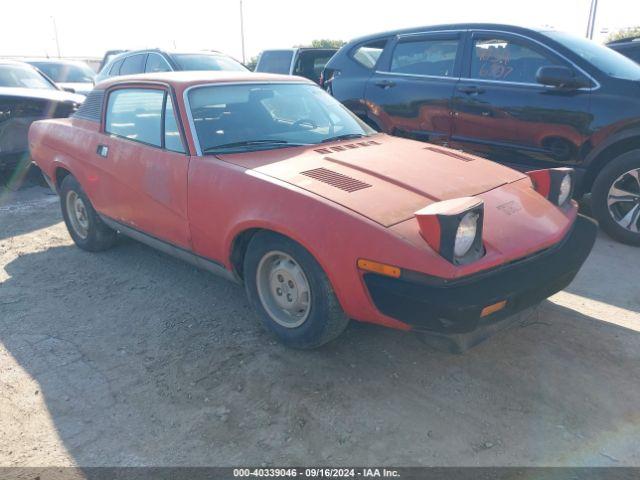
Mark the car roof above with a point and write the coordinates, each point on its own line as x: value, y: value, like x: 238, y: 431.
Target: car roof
x: 128, y: 53
x: 54, y: 61
x: 449, y: 26
x: 188, y: 78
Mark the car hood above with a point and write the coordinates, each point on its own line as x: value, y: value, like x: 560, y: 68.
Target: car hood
x: 41, y: 94
x: 384, y: 178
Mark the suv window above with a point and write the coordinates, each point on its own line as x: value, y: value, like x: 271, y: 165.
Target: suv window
x: 133, y: 64
x: 115, y: 68
x: 507, y: 59
x: 368, y: 54
x: 275, y: 61
x: 310, y: 64
x: 156, y: 63
x: 172, y: 140
x: 425, y: 57
x: 136, y: 114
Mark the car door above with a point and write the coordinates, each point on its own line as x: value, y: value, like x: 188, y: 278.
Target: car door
x: 410, y: 92
x: 144, y: 164
x: 503, y: 113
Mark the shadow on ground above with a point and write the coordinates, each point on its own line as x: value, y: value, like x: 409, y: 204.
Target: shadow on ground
x: 143, y: 360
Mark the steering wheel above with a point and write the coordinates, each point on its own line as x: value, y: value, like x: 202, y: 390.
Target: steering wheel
x: 305, y: 121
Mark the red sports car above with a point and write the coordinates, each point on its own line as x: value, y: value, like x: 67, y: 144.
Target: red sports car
x: 269, y: 181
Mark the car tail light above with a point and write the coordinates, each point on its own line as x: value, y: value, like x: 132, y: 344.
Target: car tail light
x: 453, y: 228
x: 555, y: 184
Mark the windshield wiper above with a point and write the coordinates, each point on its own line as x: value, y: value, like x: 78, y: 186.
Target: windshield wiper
x: 251, y: 143
x: 345, y: 136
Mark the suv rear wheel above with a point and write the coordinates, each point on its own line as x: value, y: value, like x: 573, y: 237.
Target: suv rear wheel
x: 616, y: 198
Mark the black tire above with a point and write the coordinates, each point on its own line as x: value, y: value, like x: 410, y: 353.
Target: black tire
x: 600, y: 191
x: 98, y: 235
x: 325, y: 319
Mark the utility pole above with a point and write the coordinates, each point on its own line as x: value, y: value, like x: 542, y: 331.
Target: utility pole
x: 592, y: 19
x: 244, y: 60
x: 55, y: 32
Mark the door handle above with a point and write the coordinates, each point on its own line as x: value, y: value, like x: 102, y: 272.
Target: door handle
x: 102, y: 150
x: 385, y: 83
x: 471, y: 90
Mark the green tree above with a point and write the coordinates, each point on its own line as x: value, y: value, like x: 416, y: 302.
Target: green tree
x: 624, y: 33
x: 251, y: 64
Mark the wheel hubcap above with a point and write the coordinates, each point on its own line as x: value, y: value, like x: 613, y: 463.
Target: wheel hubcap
x: 623, y: 200
x: 78, y: 217
x: 283, y: 289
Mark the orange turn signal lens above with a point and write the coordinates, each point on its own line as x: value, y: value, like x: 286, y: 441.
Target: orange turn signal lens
x: 486, y: 311
x: 380, y: 268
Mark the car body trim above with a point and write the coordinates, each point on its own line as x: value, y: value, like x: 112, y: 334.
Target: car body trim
x: 201, y: 262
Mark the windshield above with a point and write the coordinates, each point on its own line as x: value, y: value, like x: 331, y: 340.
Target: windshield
x: 203, y: 61
x: 19, y: 76
x: 603, y: 58
x: 235, y: 118
x: 64, y: 72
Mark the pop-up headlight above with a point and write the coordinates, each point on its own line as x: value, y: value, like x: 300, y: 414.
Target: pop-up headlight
x: 555, y: 184
x: 453, y: 228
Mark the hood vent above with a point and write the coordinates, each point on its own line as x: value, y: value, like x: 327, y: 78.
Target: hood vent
x: 335, y: 179
x: 348, y: 146
x: 450, y: 153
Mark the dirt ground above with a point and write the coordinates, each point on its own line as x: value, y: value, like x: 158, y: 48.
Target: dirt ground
x: 130, y: 357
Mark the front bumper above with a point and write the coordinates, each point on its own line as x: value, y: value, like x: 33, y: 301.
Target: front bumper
x: 437, y: 305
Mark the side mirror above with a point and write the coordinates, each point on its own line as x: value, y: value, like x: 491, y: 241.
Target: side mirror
x: 561, y: 77
x: 69, y: 89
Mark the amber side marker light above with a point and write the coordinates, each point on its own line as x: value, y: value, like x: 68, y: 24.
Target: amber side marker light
x: 380, y: 268
x: 496, y: 307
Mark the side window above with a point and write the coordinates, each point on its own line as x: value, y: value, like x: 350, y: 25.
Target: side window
x: 425, y: 57
x: 156, y: 63
x: 136, y: 114
x: 507, y: 59
x: 133, y: 64
x: 368, y: 54
x: 275, y: 61
x: 115, y: 68
x: 172, y: 140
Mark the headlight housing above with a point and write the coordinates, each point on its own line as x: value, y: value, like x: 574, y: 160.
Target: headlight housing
x: 453, y: 228
x: 555, y: 184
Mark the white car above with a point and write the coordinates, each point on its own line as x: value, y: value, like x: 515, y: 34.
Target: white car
x: 71, y: 75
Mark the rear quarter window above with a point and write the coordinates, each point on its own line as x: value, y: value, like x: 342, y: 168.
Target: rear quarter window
x: 133, y: 64
x: 368, y: 54
x: 115, y: 68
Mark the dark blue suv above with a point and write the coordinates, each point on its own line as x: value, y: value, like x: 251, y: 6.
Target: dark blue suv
x: 527, y: 98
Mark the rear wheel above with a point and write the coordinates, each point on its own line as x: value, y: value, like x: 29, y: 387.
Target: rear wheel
x: 291, y: 292
x: 615, y: 198
x: 86, y: 228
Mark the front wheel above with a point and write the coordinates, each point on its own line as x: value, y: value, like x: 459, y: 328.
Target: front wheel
x: 615, y: 198
x: 291, y: 292
x: 86, y: 228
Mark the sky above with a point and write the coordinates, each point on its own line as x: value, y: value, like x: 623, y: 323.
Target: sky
x: 89, y: 28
